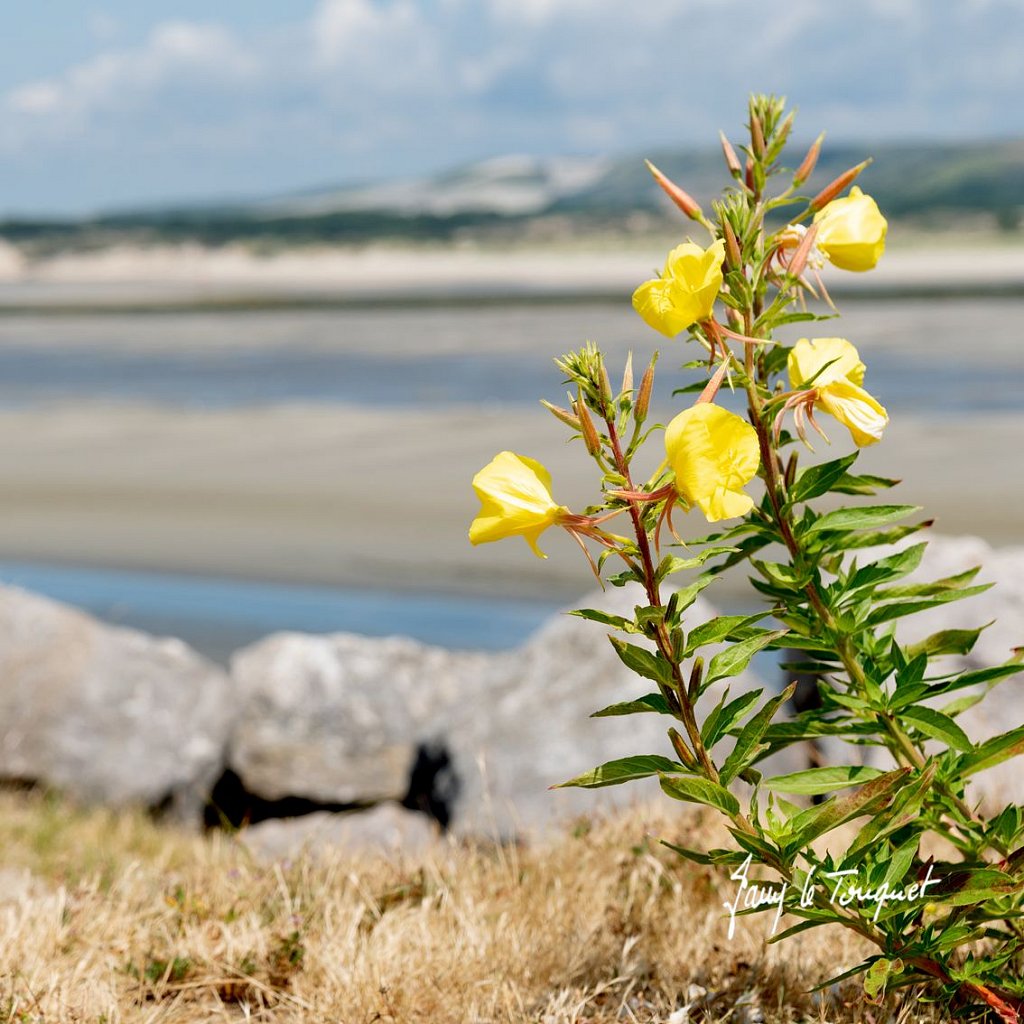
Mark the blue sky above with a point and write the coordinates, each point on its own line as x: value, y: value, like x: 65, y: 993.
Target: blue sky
x: 120, y: 103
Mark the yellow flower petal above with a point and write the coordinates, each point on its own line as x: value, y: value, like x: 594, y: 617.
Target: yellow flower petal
x: 685, y: 293
x: 515, y: 501
x: 713, y: 454
x: 855, y: 409
x: 838, y: 385
x: 809, y: 355
x: 851, y: 231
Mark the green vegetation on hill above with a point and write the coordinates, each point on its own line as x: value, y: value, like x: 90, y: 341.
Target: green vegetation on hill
x: 923, y: 183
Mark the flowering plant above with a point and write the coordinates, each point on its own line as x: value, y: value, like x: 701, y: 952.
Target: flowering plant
x: 760, y: 273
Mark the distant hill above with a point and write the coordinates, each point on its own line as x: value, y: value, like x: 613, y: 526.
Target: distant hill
x: 515, y: 195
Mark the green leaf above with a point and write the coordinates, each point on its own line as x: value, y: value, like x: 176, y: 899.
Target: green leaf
x: 822, y: 780
x: 881, y: 538
x: 947, y: 641
x: 937, y: 725
x: 719, y: 628
x: 992, y: 752
x: 649, y: 664
x: 725, y: 716
x: 682, y: 598
x: 818, y: 480
x: 899, y: 609
x: 695, y: 855
x: 673, y: 563
x: 870, y: 517
x: 865, y: 484
x: 964, y: 887
x: 606, y: 618
x: 733, y: 660
x: 957, y: 582
x: 816, y: 821
x: 890, y: 568
x: 748, y: 742
x: 649, y: 702
x: 879, y: 973
x: 700, y: 791
x: 624, y: 769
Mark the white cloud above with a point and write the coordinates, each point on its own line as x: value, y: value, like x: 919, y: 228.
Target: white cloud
x: 364, y: 87
x: 174, y: 51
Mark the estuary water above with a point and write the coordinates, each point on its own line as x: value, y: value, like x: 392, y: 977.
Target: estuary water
x: 953, y: 361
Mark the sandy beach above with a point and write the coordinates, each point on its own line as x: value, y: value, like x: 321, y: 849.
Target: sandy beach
x: 131, y: 276
x: 378, y: 499
x: 374, y: 490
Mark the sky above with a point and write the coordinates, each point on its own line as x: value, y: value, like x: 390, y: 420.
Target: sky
x: 123, y: 103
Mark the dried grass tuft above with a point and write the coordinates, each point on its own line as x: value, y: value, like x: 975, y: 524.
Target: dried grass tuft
x: 109, y: 917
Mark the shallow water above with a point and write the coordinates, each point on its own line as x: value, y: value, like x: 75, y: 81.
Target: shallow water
x: 217, y: 616
x: 965, y: 353
x: 954, y: 358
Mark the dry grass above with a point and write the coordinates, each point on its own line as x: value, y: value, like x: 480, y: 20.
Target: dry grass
x: 108, y: 917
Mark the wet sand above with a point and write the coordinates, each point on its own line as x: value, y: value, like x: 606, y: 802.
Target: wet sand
x: 381, y: 499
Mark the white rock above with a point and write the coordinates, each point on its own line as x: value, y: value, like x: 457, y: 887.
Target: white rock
x: 105, y: 714
x: 386, y: 828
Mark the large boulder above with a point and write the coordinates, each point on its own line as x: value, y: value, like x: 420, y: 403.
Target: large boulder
x: 341, y: 718
x: 107, y: 715
x: 476, y: 738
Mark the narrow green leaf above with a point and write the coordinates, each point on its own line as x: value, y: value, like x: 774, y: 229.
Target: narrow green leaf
x: 947, y: 641
x: 623, y: 769
x: 878, y: 974
x: 822, y: 780
x: 818, y: 480
x: 673, y: 563
x: 606, y: 618
x: 937, y: 725
x: 992, y: 752
x: 747, y: 743
x: 649, y: 664
x: 890, y: 568
x: 700, y: 791
x: 649, y: 702
x: 719, y: 628
x: 734, y: 659
x: 870, y: 517
x: 957, y: 582
x: 725, y: 716
x: 902, y: 608
x: 816, y: 821
x: 695, y: 855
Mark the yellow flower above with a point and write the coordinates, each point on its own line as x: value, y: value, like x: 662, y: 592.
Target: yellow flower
x: 686, y: 291
x: 838, y: 386
x: 713, y: 453
x: 515, y: 501
x: 851, y: 231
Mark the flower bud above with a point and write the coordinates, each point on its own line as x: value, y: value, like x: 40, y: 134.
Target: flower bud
x: 731, y: 159
x: 643, y: 397
x: 732, y: 246
x: 829, y: 192
x: 681, y: 198
x: 806, y: 169
x: 587, y: 428
x: 748, y: 174
x: 562, y: 414
x: 756, y: 136
x: 627, y: 375
x: 681, y: 749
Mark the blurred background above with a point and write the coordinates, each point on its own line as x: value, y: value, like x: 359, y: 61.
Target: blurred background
x: 276, y: 280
